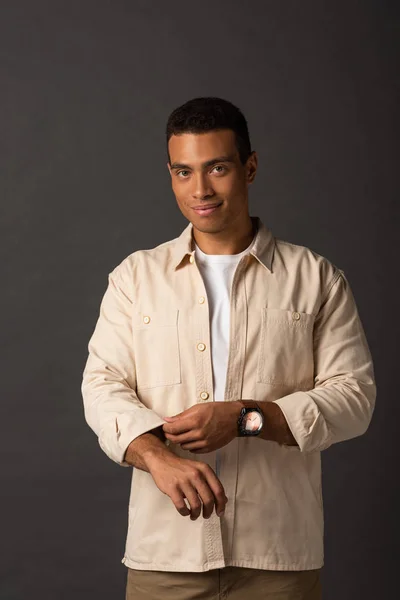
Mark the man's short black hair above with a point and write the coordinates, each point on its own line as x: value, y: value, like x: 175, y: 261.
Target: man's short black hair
x: 200, y: 115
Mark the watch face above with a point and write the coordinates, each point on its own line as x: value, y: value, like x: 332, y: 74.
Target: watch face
x: 252, y: 421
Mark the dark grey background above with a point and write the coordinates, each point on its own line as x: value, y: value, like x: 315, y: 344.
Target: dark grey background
x: 86, y: 89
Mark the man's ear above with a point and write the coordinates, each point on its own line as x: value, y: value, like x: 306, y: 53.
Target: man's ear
x: 252, y: 167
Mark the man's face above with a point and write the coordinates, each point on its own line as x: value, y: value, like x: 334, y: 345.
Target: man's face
x: 206, y: 170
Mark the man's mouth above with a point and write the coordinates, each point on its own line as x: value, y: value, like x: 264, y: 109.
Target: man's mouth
x: 207, y: 210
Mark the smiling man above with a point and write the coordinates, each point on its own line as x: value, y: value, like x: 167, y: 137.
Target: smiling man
x: 222, y: 364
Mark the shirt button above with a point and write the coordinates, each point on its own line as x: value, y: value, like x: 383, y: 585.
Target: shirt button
x: 296, y: 316
x: 191, y: 258
x: 202, y: 299
x: 146, y: 319
x: 204, y: 395
x: 201, y: 347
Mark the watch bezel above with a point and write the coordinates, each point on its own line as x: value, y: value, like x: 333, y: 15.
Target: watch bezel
x: 244, y: 411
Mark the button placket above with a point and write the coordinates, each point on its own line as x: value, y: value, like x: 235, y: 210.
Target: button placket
x: 234, y: 385
x: 204, y: 381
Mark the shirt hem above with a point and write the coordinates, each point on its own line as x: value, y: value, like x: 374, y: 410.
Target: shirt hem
x: 219, y: 564
x: 176, y: 567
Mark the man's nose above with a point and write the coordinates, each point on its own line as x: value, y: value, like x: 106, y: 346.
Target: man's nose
x: 201, y: 187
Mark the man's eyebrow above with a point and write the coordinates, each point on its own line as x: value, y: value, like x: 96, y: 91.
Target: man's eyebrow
x: 208, y: 163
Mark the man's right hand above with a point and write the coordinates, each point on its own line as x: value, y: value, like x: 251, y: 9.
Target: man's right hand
x: 181, y: 478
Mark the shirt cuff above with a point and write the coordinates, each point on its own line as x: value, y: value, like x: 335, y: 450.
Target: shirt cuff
x: 124, y: 429
x: 305, y: 421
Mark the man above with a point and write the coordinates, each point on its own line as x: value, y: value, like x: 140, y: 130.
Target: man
x: 222, y: 363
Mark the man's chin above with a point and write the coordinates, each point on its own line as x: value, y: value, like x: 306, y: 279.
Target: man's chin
x: 208, y: 227
x: 208, y: 224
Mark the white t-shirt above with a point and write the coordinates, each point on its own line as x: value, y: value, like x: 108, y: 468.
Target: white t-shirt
x: 217, y: 271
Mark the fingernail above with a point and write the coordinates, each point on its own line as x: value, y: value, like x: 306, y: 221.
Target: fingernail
x: 220, y: 514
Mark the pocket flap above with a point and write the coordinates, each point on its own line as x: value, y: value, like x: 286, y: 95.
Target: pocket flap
x: 157, y: 318
x: 285, y: 317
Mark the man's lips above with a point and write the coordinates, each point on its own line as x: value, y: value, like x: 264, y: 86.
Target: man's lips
x: 206, y: 210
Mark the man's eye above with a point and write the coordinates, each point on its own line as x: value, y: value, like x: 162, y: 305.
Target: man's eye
x: 179, y: 173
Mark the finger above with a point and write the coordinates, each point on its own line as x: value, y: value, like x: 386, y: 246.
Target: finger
x: 193, y: 446
x: 176, y: 428
x: 193, y: 499
x: 217, y: 489
x: 183, y: 438
x: 206, y: 496
x: 178, y: 499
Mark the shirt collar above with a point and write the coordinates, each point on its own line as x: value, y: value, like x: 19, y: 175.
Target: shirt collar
x: 262, y: 249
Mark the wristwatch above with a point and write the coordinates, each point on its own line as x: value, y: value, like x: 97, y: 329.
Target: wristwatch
x: 250, y: 421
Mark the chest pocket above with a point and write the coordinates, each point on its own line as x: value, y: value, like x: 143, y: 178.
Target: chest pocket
x: 286, y: 348
x: 156, y: 348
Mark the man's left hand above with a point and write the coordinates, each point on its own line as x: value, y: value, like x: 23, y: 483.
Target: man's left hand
x: 203, y: 427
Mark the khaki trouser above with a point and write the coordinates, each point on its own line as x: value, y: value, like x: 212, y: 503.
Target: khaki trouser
x: 229, y: 583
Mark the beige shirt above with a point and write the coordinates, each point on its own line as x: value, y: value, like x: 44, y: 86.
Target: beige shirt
x: 295, y: 339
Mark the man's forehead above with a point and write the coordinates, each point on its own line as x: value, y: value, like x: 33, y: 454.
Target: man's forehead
x: 200, y: 148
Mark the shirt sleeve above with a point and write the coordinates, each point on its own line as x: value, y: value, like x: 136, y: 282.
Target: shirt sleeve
x: 111, y: 406
x: 341, y: 404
